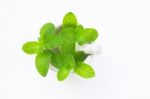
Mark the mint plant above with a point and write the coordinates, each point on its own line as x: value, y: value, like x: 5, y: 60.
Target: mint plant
x: 58, y: 48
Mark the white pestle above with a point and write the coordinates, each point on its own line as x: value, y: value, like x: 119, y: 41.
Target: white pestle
x: 92, y: 49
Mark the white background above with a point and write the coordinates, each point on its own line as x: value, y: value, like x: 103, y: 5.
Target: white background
x: 122, y: 70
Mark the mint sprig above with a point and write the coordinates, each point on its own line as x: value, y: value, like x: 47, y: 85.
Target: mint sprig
x: 58, y: 48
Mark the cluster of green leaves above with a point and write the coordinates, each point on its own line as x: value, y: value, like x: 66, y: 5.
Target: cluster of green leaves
x: 58, y: 49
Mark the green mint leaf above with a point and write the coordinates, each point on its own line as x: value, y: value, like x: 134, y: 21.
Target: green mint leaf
x: 63, y: 59
x: 70, y: 20
x: 80, y: 56
x: 52, y: 42
x: 69, y: 60
x: 32, y: 47
x: 68, y: 48
x: 79, y: 29
x: 84, y: 70
x: 42, y: 62
x: 57, y: 60
x: 67, y: 35
x: 63, y: 73
x: 67, y: 40
x: 48, y: 36
x: 89, y: 35
x: 47, y: 30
